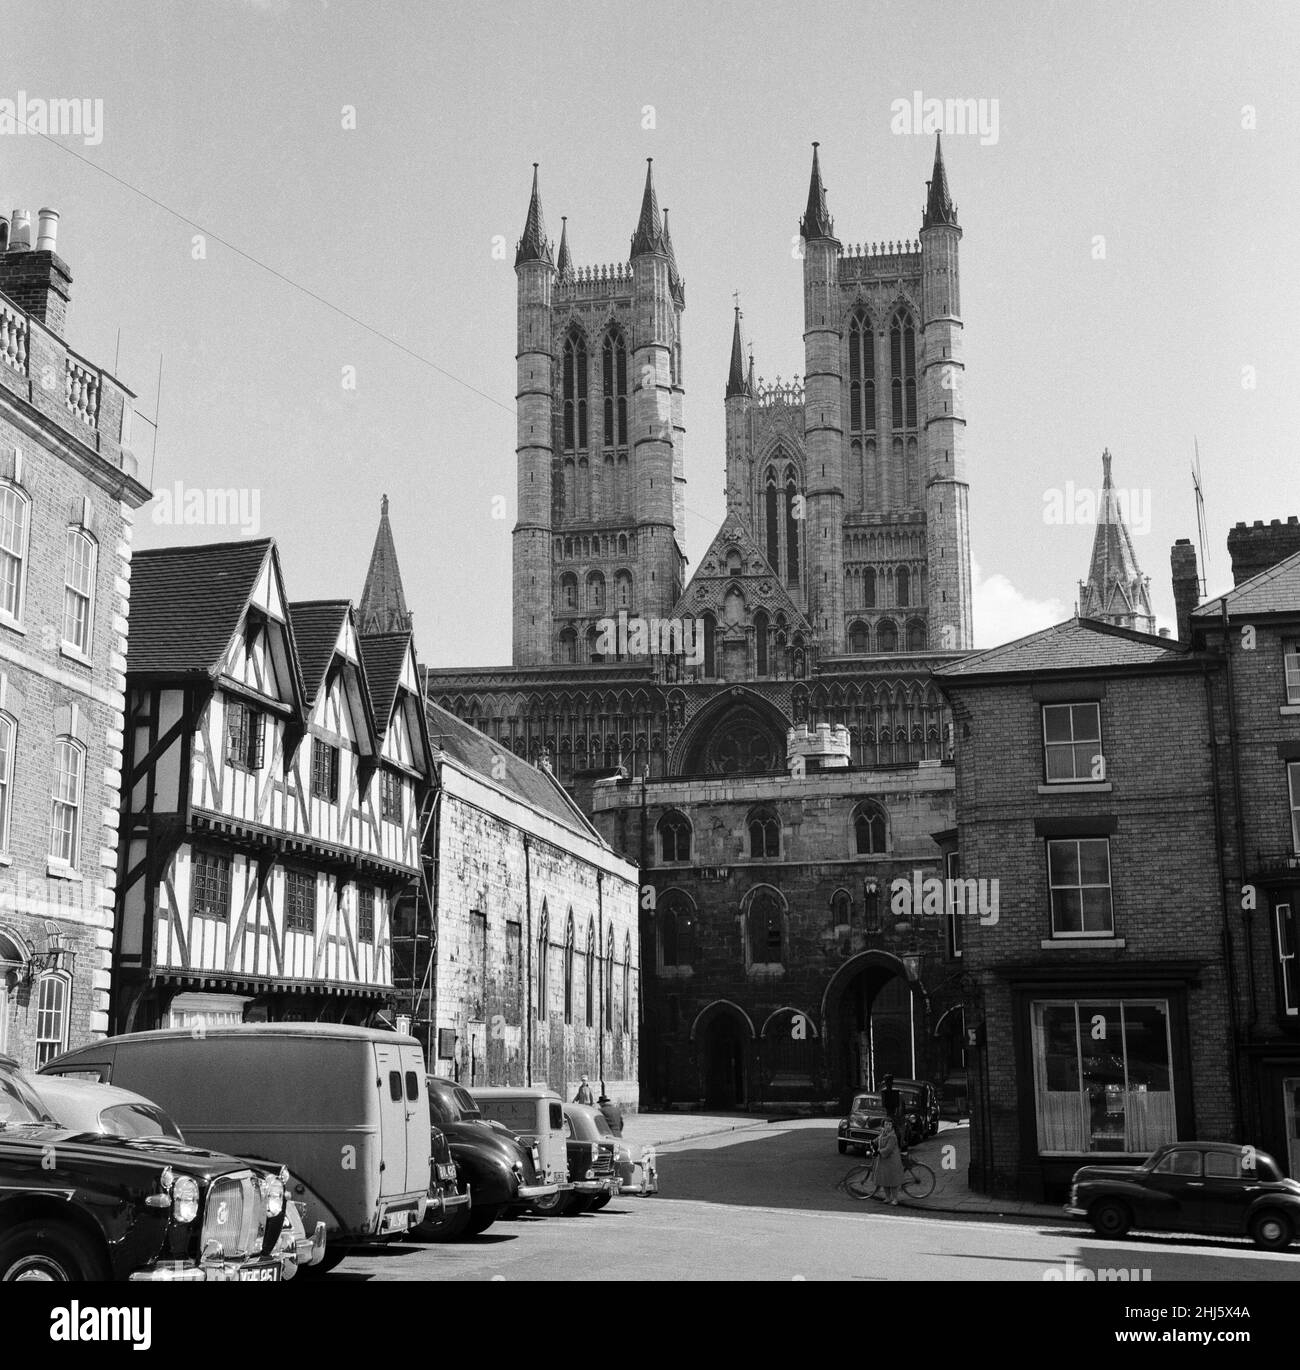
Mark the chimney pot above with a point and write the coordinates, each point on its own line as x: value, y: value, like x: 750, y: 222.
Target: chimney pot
x: 47, y: 230
x: 20, y: 231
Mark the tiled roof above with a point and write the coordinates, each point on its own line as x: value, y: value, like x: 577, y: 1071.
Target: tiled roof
x: 499, y: 766
x: 382, y: 655
x: 316, y: 624
x: 1076, y: 645
x: 186, y: 603
x: 1275, y: 591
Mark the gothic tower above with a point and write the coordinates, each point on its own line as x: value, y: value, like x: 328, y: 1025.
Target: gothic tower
x: 383, y: 600
x: 601, y: 448
x: 947, y: 494
x: 1116, y: 591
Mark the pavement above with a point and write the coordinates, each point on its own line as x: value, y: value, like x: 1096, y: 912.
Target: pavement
x: 947, y: 1154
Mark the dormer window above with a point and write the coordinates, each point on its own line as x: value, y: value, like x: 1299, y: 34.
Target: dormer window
x: 244, y: 735
x: 390, y: 797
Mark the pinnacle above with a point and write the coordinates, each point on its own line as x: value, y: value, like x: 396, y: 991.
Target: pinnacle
x: 533, y: 245
x: 816, y: 221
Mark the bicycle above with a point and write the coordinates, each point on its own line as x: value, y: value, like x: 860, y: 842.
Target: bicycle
x: 861, y: 1182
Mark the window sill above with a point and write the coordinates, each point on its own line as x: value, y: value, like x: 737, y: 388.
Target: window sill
x: 12, y: 624
x: 756, y: 968
x: 60, y: 870
x: 1290, y: 710
x: 1058, y: 943
x: 6, y: 859
x: 74, y: 654
x: 1077, y: 787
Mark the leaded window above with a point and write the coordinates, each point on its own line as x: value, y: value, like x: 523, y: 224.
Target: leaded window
x: 210, y: 886
x: 299, y: 901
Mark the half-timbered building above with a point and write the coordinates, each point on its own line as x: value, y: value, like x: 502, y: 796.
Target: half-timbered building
x: 276, y: 763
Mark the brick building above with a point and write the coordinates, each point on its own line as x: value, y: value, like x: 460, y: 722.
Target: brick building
x: 68, y: 492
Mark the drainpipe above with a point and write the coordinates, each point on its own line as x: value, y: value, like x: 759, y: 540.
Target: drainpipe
x: 528, y: 954
x: 1239, y: 822
x: 1229, y: 963
x: 600, y: 923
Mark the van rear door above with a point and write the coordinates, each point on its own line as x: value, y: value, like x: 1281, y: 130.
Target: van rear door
x: 392, y: 1122
x: 418, y: 1150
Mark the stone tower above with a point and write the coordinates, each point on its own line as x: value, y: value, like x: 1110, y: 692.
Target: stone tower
x: 1116, y: 591
x: 601, y: 438
x: 947, y: 495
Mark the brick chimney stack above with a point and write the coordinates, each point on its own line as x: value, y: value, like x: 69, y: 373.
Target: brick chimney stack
x: 1187, y: 585
x: 1258, y: 547
x: 36, y: 278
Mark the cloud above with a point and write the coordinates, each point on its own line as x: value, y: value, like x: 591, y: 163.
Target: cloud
x: 1002, y: 613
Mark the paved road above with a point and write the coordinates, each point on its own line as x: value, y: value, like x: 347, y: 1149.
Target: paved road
x: 761, y: 1204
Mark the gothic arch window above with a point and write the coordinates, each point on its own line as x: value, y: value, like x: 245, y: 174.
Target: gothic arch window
x: 913, y: 473
x: 568, y: 647
x: 568, y: 591
x: 627, y: 982
x: 859, y: 638
x: 575, y: 391
x: 760, y: 643
x: 870, y: 829
x: 623, y: 589
x: 764, y: 829
x: 887, y: 636
x: 614, y: 376
x: 570, y: 488
x: 622, y: 544
x: 676, y: 930
x: 901, y: 586
x: 609, y: 982
x: 590, y: 1002
x: 902, y: 370
x: 862, y: 375
x: 869, y: 588
x: 674, y: 830
x: 593, y: 645
x: 543, y: 978
x: 856, y: 488
x: 897, y: 475
x: 841, y: 908
x: 596, y: 591
x: 791, y: 527
x: 568, y: 969
x: 916, y: 636
x: 765, y: 927
x: 772, y: 521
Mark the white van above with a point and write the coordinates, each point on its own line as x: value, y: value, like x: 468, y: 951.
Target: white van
x: 343, y: 1107
x: 536, y: 1114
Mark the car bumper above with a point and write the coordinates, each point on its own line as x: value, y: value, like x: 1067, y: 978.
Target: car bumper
x: 445, y: 1203
x: 218, y: 1272
x: 607, y: 1185
x: 1074, y: 1211
x: 538, y: 1191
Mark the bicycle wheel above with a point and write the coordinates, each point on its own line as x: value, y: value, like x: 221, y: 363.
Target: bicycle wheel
x: 860, y: 1183
x: 919, y: 1182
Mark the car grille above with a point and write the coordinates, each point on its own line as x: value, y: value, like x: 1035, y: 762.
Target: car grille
x: 603, y: 1162
x: 234, y: 1216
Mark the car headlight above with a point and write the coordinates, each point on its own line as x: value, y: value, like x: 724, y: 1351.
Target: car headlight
x: 274, y: 1191
x: 185, y: 1199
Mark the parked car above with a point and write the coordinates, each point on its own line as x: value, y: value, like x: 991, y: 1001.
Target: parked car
x: 1212, y: 1187
x: 343, y: 1107
x: 590, y: 1147
x: 449, y: 1196
x: 82, y: 1205
x: 496, y: 1172
x: 86, y: 1106
x: 536, y: 1116
x: 860, y: 1129
x: 920, y: 1110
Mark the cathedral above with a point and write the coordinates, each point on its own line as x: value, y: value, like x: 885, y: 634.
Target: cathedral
x: 770, y: 749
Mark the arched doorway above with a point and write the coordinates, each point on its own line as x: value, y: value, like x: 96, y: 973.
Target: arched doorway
x: 875, y: 1023
x: 723, y: 1034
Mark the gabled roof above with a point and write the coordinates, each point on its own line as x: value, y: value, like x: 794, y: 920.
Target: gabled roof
x: 383, y: 655
x: 1075, y: 645
x: 316, y: 627
x: 498, y: 766
x: 1275, y: 591
x: 712, y: 575
x: 187, y: 602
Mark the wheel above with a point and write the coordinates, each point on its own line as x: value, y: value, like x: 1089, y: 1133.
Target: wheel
x: 1109, y: 1218
x: 1271, y: 1230
x: 448, y: 1230
x: 919, y: 1181
x: 481, y: 1218
x: 861, y: 1182
x: 554, y: 1205
x: 843, y: 1146
x: 334, y: 1255
x: 582, y: 1204
x: 599, y: 1202
x: 51, y: 1252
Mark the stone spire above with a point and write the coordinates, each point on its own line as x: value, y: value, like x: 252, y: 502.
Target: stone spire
x: 1116, y: 591
x: 383, y: 601
x: 736, y: 381
x: 939, y: 208
x: 533, y: 245
x: 675, y: 282
x: 816, y: 221
x: 649, y: 235
x: 564, y: 263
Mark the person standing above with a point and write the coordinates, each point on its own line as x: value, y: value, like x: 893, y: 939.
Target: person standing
x: 889, y: 1163
x: 613, y: 1114
x: 583, y: 1096
x: 890, y: 1100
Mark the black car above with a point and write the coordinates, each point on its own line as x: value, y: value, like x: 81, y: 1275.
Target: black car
x: 919, y: 1106
x: 89, y: 1206
x: 1212, y: 1187
x: 492, y: 1165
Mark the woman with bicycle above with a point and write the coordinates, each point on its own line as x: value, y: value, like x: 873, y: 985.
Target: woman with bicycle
x: 889, y: 1163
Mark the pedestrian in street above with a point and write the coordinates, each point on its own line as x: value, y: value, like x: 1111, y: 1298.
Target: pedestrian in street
x: 889, y: 1164
x: 583, y: 1096
x: 613, y: 1114
x: 890, y: 1099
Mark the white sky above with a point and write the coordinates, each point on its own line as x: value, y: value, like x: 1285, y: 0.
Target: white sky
x: 1113, y: 119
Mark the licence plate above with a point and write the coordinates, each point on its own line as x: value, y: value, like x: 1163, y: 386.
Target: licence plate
x: 397, y: 1222
x: 259, y: 1273
x: 447, y: 1170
